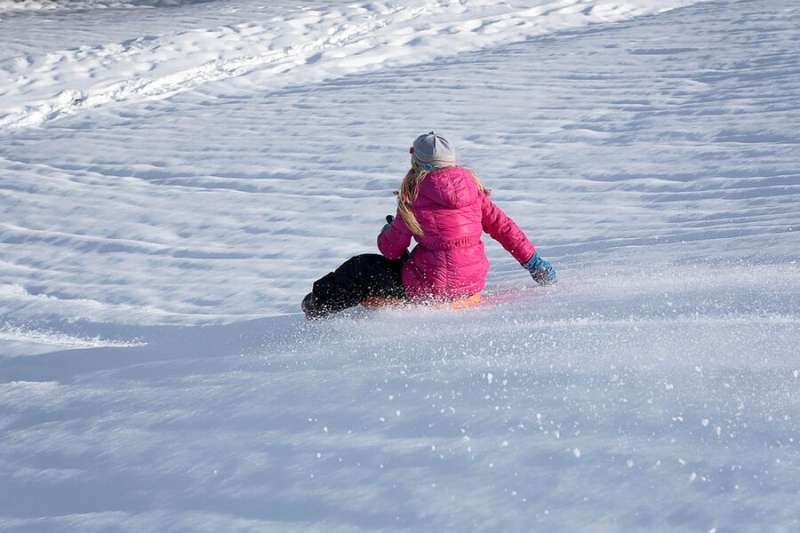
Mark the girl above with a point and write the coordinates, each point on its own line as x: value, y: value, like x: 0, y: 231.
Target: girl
x: 445, y: 209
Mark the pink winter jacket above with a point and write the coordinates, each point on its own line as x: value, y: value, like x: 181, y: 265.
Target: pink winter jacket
x: 449, y: 261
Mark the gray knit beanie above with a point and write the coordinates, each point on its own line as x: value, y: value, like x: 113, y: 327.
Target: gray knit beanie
x: 431, y: 151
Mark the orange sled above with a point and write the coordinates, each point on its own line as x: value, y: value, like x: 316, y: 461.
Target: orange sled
x: 378, y: 302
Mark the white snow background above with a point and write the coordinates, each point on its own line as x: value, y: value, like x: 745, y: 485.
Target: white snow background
x: 174, y: 176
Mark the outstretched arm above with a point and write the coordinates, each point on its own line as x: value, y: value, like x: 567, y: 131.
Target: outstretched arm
x: 505, y: 231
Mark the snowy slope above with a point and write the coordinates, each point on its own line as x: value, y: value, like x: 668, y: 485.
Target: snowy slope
x: 174, y: 175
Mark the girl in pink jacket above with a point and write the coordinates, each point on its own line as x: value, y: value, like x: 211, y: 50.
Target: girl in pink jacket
x: 445, y: 209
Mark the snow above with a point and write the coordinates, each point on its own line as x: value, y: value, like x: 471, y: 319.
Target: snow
x: 174, y: 175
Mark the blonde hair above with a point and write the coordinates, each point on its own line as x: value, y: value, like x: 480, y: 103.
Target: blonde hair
x: 409, y: 189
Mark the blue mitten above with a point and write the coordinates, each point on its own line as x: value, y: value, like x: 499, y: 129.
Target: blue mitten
x: 542, y: 272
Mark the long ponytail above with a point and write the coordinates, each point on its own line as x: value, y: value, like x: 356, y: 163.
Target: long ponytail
x: 409, y: 189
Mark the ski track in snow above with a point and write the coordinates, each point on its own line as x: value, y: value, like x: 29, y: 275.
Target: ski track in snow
x: 172, y: 184
x: 305, y: 45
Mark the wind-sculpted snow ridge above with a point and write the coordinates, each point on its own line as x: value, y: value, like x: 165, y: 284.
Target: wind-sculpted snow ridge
x: 285, y: 47
x: 32, y: 339
x: 74, y: 5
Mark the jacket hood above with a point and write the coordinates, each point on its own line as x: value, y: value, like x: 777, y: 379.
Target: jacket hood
x: 451, y: 187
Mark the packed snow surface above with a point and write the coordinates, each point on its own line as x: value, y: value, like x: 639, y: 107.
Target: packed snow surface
x: 174, y: 175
